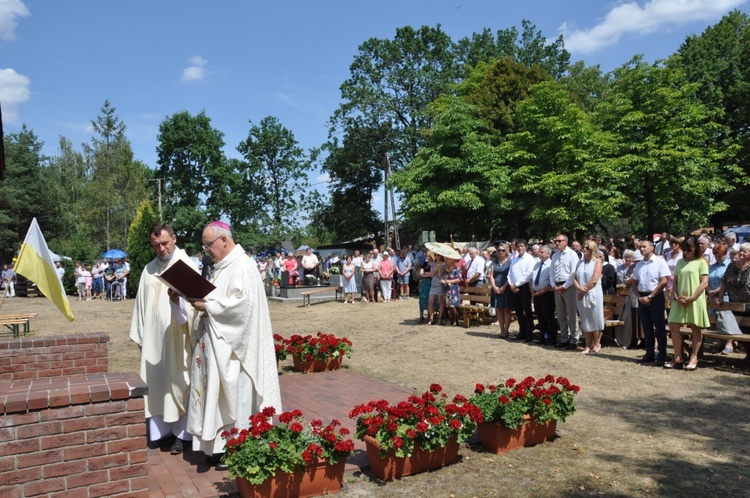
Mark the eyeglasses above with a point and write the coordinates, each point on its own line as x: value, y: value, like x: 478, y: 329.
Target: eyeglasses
x: 206, y: 247
x: 558, y: 241
x: 501, y: 250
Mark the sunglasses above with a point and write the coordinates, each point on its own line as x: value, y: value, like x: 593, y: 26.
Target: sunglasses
x: 559, y: 241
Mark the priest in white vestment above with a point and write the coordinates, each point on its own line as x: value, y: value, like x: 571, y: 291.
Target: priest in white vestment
x: 234, y: 373
x: 166, y: 345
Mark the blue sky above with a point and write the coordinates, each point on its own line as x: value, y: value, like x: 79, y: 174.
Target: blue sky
x: 245, y: 60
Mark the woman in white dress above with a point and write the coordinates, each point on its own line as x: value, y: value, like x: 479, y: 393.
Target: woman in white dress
x: 590, y: 297
x: 347, y: 279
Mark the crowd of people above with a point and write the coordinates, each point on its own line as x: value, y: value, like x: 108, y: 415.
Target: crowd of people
x: 107, y: 279
x: 557, y: 287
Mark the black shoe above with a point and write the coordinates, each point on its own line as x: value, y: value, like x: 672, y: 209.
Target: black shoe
x: 561, y: 345
x: 649, y: 358
x: 519, y: 337
x: 161, y: 442
x: 571, y: 346
x: 221, y: 466
x: 659, y: 362
x: 214, y: 459
x: 177, y: 447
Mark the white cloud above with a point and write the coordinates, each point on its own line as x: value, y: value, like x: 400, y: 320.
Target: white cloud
x: 322, y: 178
x: 196, y: 70
x: 14, y: 90
x: 643, y: 18
x: 9, y: 11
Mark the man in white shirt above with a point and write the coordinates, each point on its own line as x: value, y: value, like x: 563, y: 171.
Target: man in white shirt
x: 310, y: 263
x: 544, y: 297
x: 518, y: 282
x: 649, y: 280
x: 59, y: 270
x: 475, y: 272
x: 706, y: 249
x: 564, y: 263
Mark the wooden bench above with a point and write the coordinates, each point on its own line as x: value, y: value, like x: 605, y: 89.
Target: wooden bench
x: 742, y: 321
x: 475, y: 303
x: 13, y: 323
x: 621, y: 327
x: 306, y: 295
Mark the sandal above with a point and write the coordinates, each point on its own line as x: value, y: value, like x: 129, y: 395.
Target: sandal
x: 727, y: 350
x: 674, y: 364
x: 691, y: 366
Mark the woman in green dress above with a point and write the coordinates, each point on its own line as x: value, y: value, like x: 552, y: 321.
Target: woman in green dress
x: 688, y: 301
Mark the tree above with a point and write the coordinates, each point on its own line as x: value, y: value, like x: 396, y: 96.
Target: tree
x: 717, y: 61
x: 23, y: 192
x: 563, y: 177
x: 529, y: 48
x: 272, y: 179
x: 497, y: 88
x: 193, y: 168
x: 671, y: 150
x: 117, y: 183
x: 391, y: 84
x: 458, y: 183
x: 140, y: 252
x: 355, y: 168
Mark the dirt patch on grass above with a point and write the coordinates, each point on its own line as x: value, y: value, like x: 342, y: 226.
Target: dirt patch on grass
x: 637, y: 430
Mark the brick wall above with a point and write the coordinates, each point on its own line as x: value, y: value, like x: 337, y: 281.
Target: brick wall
x: 69, y: 436
x: 65, y: 355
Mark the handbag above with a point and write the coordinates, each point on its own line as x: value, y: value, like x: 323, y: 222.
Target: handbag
x: 726, y: 323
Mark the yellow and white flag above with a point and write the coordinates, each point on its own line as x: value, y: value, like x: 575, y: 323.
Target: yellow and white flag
x: 35, y: 263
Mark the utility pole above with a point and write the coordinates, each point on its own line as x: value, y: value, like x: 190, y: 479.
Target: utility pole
x: 389, y: 193
x: 158, y: 189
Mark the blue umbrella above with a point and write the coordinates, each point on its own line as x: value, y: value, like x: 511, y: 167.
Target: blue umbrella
x: 114, y: 254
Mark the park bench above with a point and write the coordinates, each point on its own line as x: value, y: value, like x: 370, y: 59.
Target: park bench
x: 13, y: 322
x: 742, y: 321
x: 306, y: 295
x: 475, y: 303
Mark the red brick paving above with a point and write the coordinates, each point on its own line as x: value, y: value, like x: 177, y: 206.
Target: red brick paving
x: 325, y: 396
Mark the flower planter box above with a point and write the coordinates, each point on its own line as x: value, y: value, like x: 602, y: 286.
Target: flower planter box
x: 497, y: 438
x: 317, y: 479
x: 391, y: 467
x: 316, y: 365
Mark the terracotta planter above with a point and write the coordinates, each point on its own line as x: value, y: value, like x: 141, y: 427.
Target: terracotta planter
x: 316, y: 365
x: 498, y: 439
x: 391, y: 467
x: 315, y: 480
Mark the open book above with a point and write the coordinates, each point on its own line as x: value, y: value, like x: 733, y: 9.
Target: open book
x: 185, y: 281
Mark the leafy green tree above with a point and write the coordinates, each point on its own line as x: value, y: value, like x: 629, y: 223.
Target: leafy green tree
x: 717, y: 60
x: 193, y: 169
x: 586, y: 85
x: 563, y: 177
x: 497, y: 88
x: 78, y: 238
x: 670, y: 149
x: 529, y: 48
x: 391, y: 84
x: 355, y: 168
x: 272, y: 180
x: 459, y: 182
x: 139, y: 249
x: 23, y: 192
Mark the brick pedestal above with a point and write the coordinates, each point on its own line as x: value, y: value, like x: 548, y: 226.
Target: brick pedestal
x: 70, y: 436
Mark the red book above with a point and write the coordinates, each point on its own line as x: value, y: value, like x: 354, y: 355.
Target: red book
x: 185, y: 281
